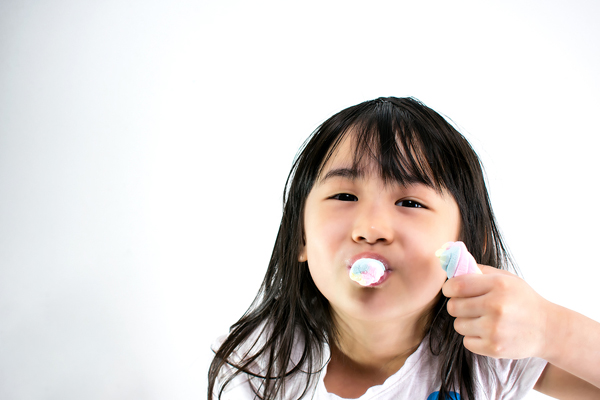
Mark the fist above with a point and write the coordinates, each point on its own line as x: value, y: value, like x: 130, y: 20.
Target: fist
x: 498, y: 314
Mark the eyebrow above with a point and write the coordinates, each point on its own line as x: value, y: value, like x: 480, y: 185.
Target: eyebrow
x: 348, y: 173
x: 354, y: 174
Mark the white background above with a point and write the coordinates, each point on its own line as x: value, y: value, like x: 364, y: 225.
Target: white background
x: 144, y: 146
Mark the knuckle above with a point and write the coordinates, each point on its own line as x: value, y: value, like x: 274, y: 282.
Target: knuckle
x: 502, y: 283
x: 452, y: 288
x: 457, y: 325
x: 496, y: 341
x: 451, y: 307
x: 496, y: 350
x: 460, y: 286
x: 498, y: 309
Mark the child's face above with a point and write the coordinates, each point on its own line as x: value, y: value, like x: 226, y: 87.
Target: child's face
x: 405, y: 225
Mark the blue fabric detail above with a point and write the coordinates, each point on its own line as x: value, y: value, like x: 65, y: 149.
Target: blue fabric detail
x: 451, y: 396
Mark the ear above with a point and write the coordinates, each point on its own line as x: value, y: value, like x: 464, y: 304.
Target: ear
x: 302, y: 257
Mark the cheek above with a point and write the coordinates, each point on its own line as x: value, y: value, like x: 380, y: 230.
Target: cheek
x: 325, y: 234
x: 320, y: 249
x: 325, y: 243
x: 425, y: 271
x: 421, y: 268
x: 452, y: 221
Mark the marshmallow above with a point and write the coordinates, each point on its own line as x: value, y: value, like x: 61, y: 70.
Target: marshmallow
x: 456, y: 260
x: 367, y: 271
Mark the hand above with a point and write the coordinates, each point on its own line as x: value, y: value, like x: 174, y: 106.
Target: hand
x: 498, y: 314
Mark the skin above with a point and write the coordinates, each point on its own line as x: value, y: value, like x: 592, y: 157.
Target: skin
x: 344, y: 216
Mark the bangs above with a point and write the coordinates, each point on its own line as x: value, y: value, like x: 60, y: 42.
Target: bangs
x: 401, y: 147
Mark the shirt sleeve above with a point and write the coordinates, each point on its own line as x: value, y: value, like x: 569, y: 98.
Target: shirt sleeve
x: 508, y: 379
x: 238, y: 389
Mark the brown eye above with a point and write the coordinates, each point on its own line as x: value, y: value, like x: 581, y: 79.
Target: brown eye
x: 409, y: 203
x: 345, y: 197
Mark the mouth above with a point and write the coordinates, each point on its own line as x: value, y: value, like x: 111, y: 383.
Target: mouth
x: 374, y: 256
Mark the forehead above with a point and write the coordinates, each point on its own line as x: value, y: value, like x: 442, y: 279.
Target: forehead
x: 343, y: 154
x: 356, y: 157
x: 343, y: 162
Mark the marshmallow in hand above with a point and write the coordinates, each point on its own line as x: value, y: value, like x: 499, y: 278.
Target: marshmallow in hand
x: 456, y: 260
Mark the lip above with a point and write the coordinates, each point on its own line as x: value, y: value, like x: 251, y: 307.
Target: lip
x: 375, y: 256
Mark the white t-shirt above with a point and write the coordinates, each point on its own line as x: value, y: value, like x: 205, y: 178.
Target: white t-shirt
x: 416, y: 380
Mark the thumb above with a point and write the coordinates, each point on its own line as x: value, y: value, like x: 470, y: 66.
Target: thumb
x: 487, y: 270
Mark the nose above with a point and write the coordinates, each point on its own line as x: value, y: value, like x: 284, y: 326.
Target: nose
x: 373, y: 225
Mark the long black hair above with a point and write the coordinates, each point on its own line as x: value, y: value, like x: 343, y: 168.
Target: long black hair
x: 411, y: 143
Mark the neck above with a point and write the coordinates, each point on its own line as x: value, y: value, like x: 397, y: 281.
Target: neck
x: 365, y: 353
x: 382, y: 346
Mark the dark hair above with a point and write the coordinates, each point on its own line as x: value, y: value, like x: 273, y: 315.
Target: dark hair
x: 411, y: 143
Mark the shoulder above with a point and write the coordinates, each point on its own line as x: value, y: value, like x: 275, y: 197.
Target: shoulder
x: 247, y: 348
x: 232, y: 359
x: 257, y: 359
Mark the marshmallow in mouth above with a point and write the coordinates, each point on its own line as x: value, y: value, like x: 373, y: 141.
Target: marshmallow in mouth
x: 367, y: 271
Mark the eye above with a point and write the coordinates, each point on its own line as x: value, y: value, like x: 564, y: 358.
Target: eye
x: 344, y: 197
x: 409, y: 203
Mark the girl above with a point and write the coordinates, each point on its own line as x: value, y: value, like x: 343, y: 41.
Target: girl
x: 391, y: 179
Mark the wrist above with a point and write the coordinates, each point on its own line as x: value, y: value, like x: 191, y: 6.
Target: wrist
x: 555, y: 331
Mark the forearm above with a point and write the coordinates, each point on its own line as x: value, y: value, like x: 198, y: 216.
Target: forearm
x: 573, y: 343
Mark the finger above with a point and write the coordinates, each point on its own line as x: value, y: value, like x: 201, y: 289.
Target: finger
x: 476, y: 345
x: 467, y: 326
x: 470, y: 285
x: 465, y: 307
x: 488, y: 348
